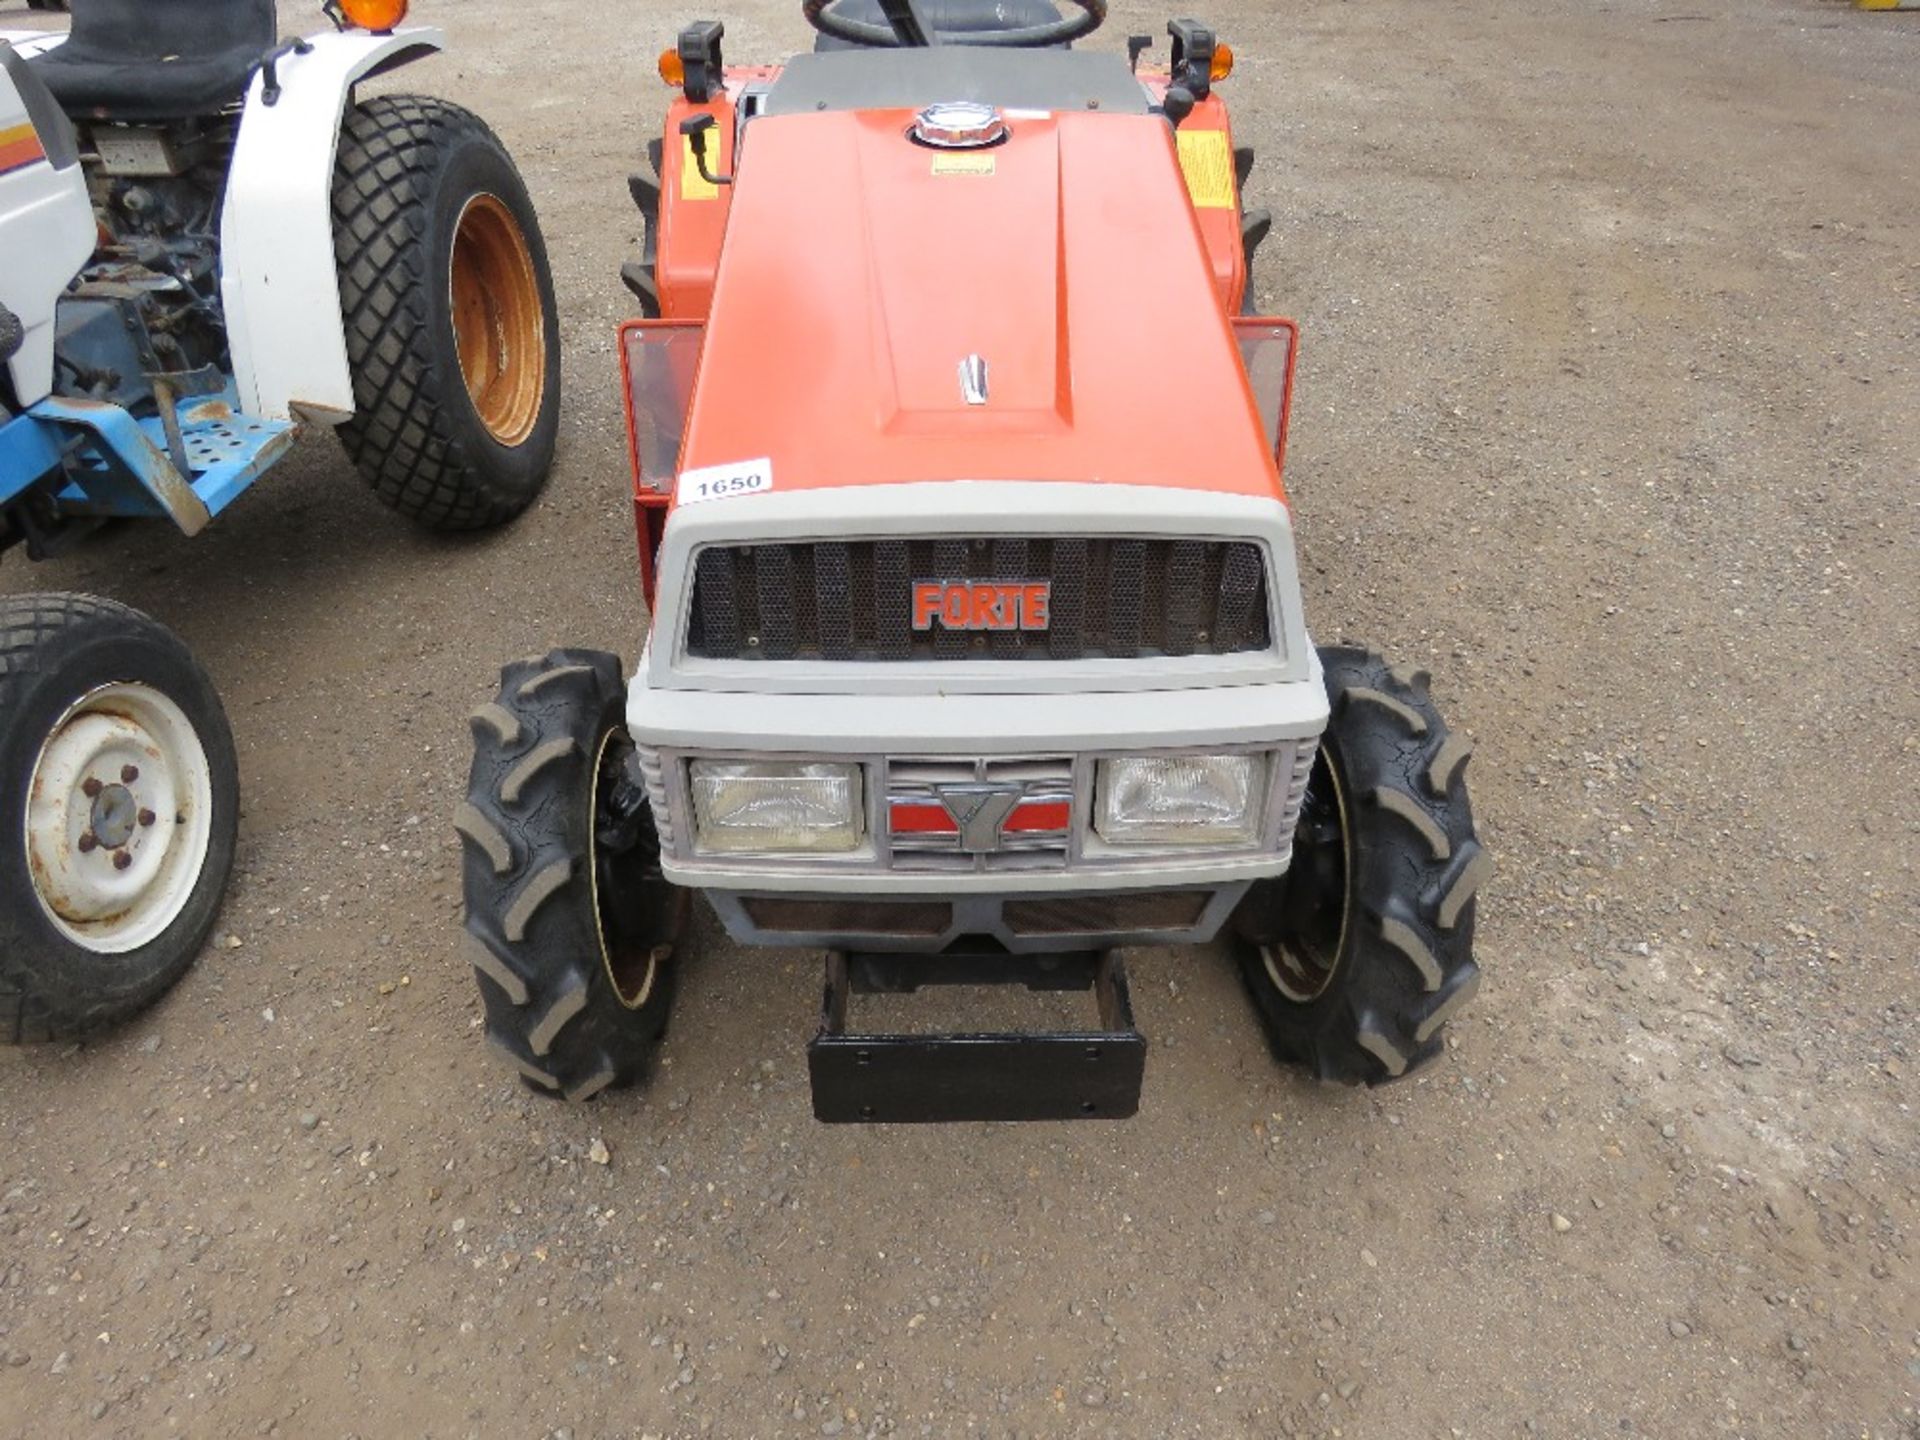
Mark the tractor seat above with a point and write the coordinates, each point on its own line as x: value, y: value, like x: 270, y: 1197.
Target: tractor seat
x: 949, y: 17
x: 157, y: 59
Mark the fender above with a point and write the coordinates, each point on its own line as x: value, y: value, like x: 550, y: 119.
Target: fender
x: 278, y: 281
x: 28, y: 43
x: 46, y: 220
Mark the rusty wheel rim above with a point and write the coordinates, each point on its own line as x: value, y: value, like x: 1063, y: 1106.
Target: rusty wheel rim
x: 499, y: 329
x: 637, y: 914
x: 1316, y: 896
x: 119, y: 818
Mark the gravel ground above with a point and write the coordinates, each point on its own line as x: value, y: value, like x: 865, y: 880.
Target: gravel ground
x: 1608, y: 414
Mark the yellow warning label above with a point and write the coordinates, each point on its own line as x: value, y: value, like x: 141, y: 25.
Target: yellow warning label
x: 963, y: 164
x: 1208, y: 166
x: 694, y: 185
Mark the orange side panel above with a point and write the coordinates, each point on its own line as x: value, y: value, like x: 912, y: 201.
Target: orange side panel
x: 1219, y: 222
x: 693, y: 214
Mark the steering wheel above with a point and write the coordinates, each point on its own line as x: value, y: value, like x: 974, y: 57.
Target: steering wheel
x: 1093, y: 14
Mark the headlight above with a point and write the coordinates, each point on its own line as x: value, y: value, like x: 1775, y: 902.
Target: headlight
x: 807, y: 807
x: 1177, y: 799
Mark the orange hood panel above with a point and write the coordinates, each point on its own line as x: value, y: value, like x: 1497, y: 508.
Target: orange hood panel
x: 859, y: 271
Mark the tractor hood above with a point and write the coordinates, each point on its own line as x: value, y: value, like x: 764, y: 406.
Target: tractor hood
x: 1040, y: 309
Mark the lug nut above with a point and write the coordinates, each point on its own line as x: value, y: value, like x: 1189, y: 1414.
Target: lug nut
x: 88, y: 844
x: 121, y: 859
x: 129, y: 774
x: 147, y: 817
x: 91, y: 788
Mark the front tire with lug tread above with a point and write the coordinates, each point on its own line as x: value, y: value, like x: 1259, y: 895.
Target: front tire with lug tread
x: 1358, y: 956
x: 570, y: 925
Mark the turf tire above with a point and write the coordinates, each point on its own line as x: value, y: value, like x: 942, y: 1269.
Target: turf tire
x: 54, y: 651
x: 534, y: 913
x: 406, y: 167
x: 1403, y: 964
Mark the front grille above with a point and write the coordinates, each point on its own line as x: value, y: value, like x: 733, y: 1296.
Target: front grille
x: 1107, y: 914
x: 1042, y: 779
x: 918, y: 919
x: 1111, y: 598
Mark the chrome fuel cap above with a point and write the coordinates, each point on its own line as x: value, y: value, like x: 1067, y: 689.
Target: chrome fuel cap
x: 959, y: 125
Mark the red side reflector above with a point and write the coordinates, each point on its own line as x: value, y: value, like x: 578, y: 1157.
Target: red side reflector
x: 910, y: 818
x: 1039, y: 815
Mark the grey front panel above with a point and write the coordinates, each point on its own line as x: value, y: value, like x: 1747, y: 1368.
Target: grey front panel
x: 900, y: 79
x: 930, y: 923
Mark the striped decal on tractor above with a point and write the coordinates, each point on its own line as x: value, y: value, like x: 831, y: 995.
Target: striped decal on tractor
x: 19, y: 146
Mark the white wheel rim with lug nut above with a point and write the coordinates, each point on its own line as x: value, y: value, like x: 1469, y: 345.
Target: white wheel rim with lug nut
x: 119, y: 818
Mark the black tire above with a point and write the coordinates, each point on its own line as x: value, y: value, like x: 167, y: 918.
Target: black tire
x: 570, y: 925
x: 407, y: 168
x: 57, y: 652
x: 1364, y: 949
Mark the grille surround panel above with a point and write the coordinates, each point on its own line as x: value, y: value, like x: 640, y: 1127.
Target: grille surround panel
x: 1069, y: 778
x: 1113, y: 598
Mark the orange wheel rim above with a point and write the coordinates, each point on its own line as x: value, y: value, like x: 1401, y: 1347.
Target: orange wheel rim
x: 498, y: 327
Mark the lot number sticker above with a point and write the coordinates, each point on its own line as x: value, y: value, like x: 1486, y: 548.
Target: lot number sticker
x: 717, y: 482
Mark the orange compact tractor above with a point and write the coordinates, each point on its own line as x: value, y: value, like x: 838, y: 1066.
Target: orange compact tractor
x: 977, y: 649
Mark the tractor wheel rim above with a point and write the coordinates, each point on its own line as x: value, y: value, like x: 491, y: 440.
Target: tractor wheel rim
x: 631, y: 968
x: 1314, y: 903
x: 119, y: 818
x: 499, y: 327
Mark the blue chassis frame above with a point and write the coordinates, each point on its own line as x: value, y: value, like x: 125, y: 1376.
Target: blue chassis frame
x: 95, y: 459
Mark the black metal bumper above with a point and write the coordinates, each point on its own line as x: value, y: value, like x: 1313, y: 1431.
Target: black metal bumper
x: 1053, y: 1075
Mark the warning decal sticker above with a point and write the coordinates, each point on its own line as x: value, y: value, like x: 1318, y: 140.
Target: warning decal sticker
x: 963, y: 163
x: 694, y: 185
x: 1208, y: 166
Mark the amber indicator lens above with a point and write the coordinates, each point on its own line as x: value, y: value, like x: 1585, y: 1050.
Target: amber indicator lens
x: 375, y: 15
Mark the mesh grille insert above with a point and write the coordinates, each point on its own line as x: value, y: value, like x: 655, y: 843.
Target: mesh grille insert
x: 1107, y: 914
x: 919, y: 918
x: 1121, y: 599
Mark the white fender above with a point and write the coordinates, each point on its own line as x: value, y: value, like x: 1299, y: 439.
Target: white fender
x: 278, y: 283
x: 28, y: 43
x: 46, y: 235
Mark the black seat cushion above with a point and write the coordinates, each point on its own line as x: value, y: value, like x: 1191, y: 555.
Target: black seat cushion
x: 157, y: 59
x: 949, y: 17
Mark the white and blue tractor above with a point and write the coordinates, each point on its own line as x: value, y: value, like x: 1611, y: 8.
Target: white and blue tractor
x: 209, y: 240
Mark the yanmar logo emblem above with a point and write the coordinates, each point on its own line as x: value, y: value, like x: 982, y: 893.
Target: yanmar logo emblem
x: 981, y: 604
